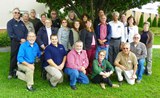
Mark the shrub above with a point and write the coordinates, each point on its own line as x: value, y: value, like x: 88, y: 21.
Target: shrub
x: 141, y: 21
x: 154, y: 24
x: 4, y: 39
x: 150, y: 21
x: 158, y: 22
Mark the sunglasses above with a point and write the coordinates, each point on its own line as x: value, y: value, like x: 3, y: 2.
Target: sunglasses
x: 16, y: 12
x: 53, y: 13
x: 136, y: 37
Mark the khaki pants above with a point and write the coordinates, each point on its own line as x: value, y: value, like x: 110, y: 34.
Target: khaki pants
x: 26, y: 75
x: 127, y: 75
x: 54, y: 75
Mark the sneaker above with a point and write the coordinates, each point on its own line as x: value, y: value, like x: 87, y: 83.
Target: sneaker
x: 51, y: 84
x: 9, y: 77
x: 115, y: 85
x: 138, y: 81
x: 73, y: 87
x: 102, y: 85
x: 31, y: 88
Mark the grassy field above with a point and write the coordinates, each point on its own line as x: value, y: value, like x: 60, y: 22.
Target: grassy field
x: 15, y: 88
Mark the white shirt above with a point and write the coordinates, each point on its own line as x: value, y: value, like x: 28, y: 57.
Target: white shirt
x: 129, y: 32
x: 117, y: 30
x: 49, y: 32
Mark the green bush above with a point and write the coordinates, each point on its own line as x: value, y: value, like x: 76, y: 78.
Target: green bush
x: 150, y: 21
x: 158, y: 22
x: 141, y: 21
x: 4, y: 39
x: 154, y: 24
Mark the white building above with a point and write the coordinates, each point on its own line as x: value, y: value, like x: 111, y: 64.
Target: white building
x: 6, y: 6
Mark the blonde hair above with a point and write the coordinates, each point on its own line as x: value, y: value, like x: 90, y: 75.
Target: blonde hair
x: 103, y: 51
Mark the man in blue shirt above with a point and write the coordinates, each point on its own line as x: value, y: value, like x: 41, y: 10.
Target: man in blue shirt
x: 55, y: 58
x: 17, y: 33
x: 27, y: 54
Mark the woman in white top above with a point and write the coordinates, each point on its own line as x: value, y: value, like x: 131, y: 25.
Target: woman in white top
x: 130, y: 30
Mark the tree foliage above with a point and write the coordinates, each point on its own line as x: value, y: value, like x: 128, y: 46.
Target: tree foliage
x: 141, y: 21
x: 154, y: 24
x: 150, y: 21
x: 91, y: 7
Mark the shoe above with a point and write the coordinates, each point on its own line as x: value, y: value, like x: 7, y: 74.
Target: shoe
x: 102, y: 85
x: 138, y: 81
x: 120, y: 83
x: 73, y: 87
x: 31, y: 88
x: 51, y: 85
x: 115, y: 85
x: 9, y: 77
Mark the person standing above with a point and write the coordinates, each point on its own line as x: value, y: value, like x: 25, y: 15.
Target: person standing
x: 147, y: 39
x: 88, y: 37
x: 27, y: 54
x: 103, y: 34
x: 130, y: 30
x: 117, y: 37
x: 139, y: 49
x: 56, y: 22
x: 17, y: 32
x: 63, y: 34
x: 34, y: 19
x: 55, y: 58
x: 27, y: 23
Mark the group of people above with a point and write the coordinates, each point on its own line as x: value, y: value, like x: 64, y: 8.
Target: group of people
x: 79, y: 48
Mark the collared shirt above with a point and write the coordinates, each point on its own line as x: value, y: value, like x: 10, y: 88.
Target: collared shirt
x: 55, y: 53
x: 16, y: 30
x: 97, y: 69
x: 63, y: 37
x: 139, y: 50
x: 49, y: 32
x: 29, y: 26
x: 103, y: 31
x: 128, y: 61
x: 129, y: 33
x: 117, y: 30
x: 76, y: 61
x: 28, y: 53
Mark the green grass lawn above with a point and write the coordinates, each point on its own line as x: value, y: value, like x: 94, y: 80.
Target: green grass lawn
x: 15, y: 88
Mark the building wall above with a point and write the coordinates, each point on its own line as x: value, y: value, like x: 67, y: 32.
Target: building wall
x: 137, y: 15
x: 6, y: 6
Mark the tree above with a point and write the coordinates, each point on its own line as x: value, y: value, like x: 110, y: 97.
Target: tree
x: 141, y: 21
x: 158, y: 22
x: 92, y: 6
x: 154, y: 24
x: 150, y: 21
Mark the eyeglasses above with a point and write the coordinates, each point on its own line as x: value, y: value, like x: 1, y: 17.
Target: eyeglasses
x: 125, y: 48
x: 16, y: 12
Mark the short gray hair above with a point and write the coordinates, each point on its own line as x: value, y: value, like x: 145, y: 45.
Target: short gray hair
x: 115, y: 13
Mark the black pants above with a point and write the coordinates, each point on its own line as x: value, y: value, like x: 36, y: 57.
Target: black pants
x: 13, y: 56
x: 100, y: 79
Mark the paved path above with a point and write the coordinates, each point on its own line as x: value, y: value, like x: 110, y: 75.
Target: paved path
x: 7, y: 49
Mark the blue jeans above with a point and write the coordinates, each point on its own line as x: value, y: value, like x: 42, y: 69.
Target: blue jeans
x: 140, y: 70
x: 99, y: 48
x: 76, y: 76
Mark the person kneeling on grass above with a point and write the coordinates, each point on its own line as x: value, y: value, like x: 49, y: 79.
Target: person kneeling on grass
x: 55, y: 58
x: 126, y: 62
x: 102, y: 70
x: 28, y: 51
x: 77, y: 62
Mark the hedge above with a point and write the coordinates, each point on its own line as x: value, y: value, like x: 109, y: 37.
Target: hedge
x: 4, y: 39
